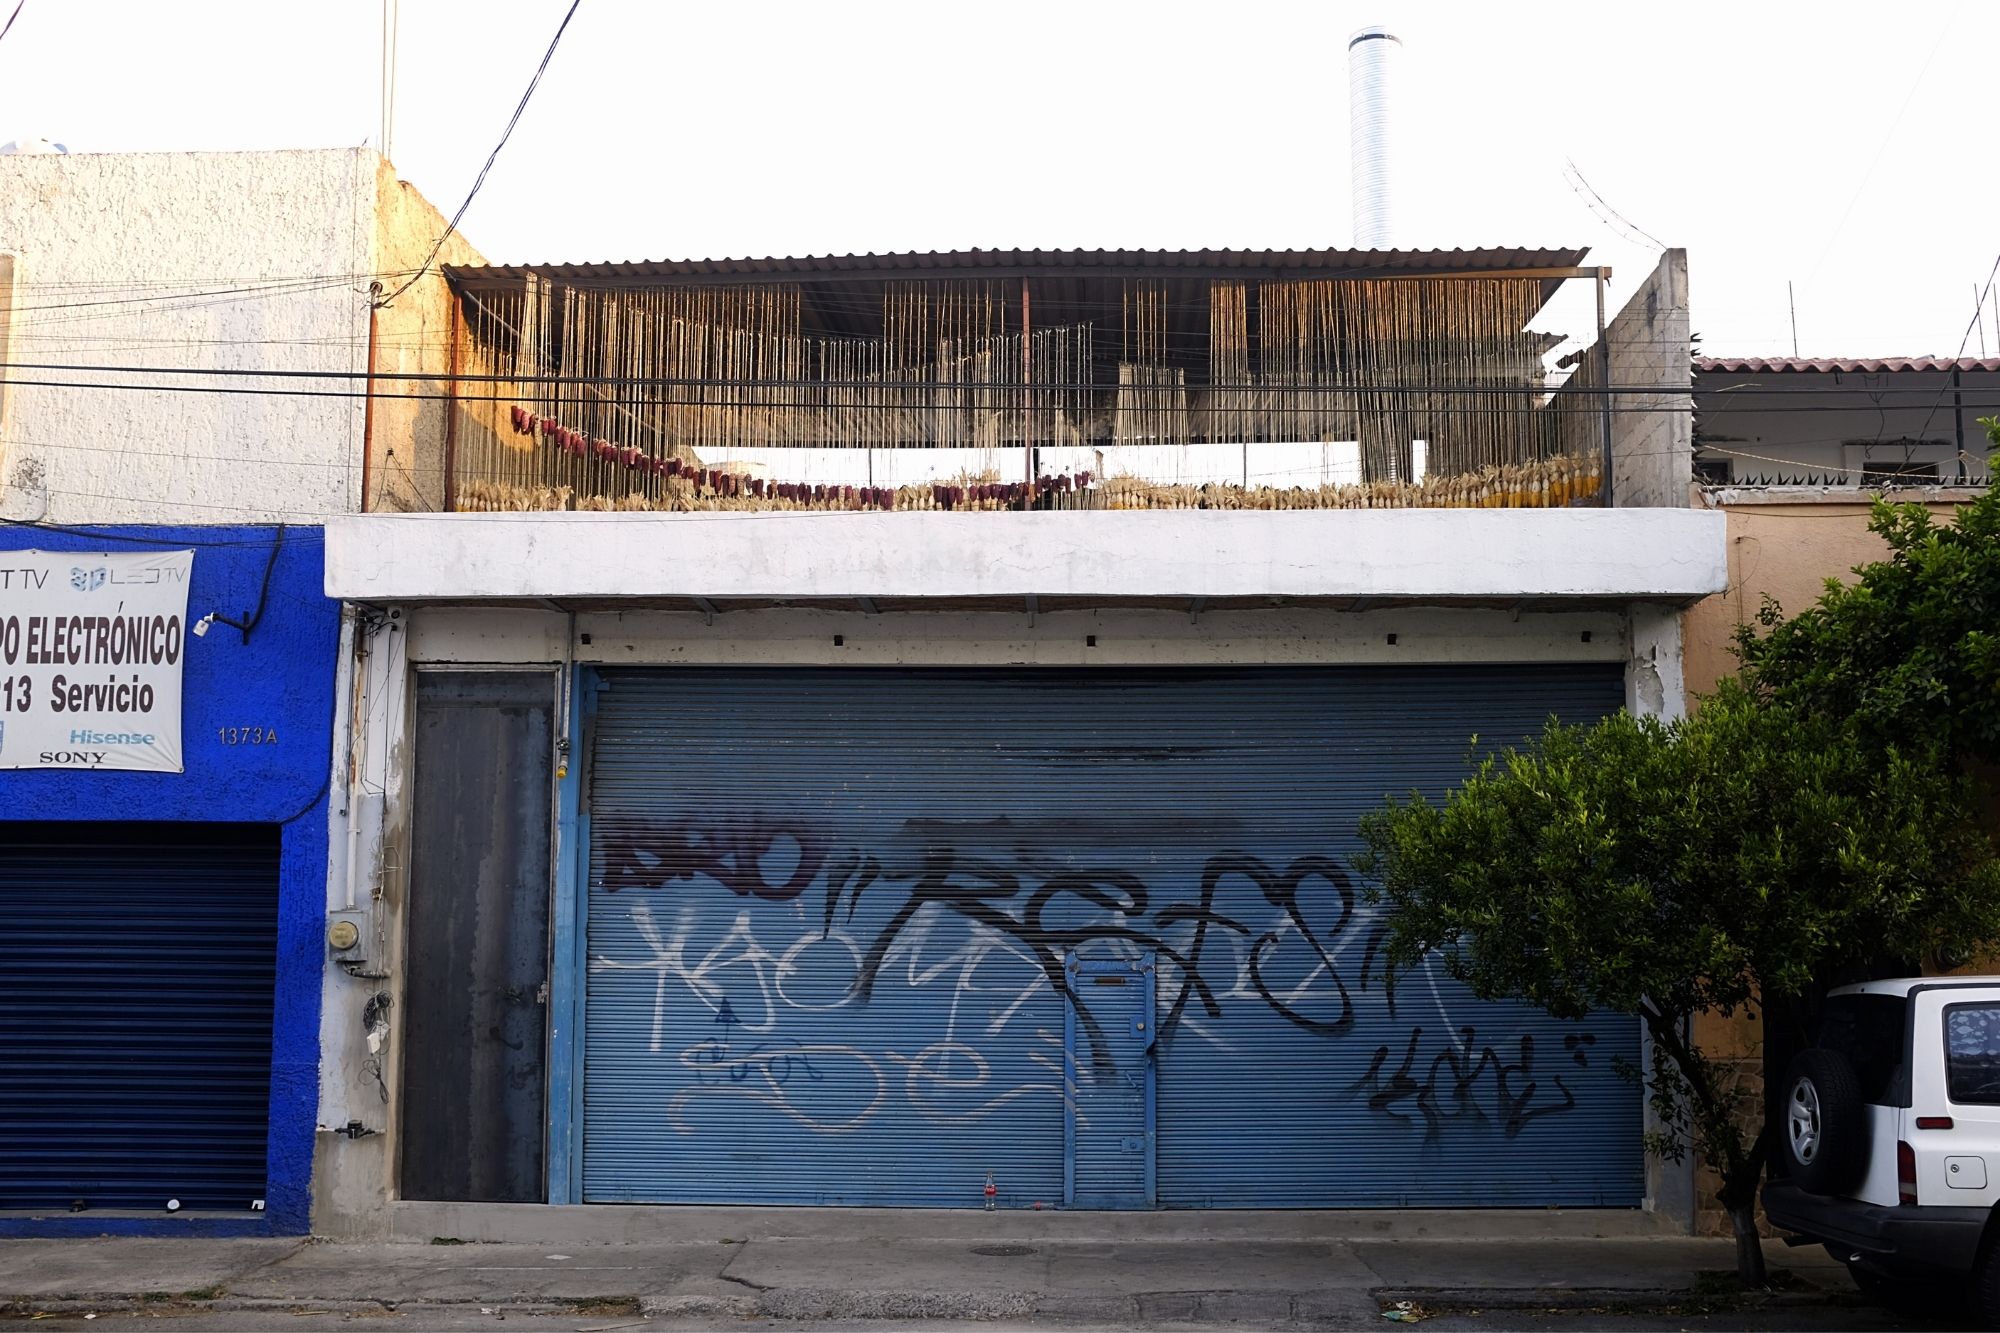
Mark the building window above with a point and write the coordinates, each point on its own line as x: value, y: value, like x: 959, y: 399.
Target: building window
x: 1713, y: 471
x: 1898, y: 472
x: 1906, y: 461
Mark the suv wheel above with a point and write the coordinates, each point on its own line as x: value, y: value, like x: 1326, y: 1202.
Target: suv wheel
x: 1986, y: 1288
x: 1825, y: 1126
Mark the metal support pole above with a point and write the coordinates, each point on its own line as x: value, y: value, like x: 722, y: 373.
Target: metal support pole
x: 1027, y: 390
x: 368, y: 400
x: 1604, y: 389
x: 451, y: 410
x: 1958, y: 421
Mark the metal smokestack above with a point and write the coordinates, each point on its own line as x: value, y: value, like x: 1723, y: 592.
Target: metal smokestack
x: 1372, y: 56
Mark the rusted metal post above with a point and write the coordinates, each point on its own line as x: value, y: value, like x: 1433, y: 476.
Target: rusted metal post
x: 1958, y: 420
x: 1027, y: 377
x: 1604, y: 498
x: 368, y: 397
x: 451, y: 410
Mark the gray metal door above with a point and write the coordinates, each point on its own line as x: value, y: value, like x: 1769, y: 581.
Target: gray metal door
x: 1108, y: 1051
x: 474, y: 1071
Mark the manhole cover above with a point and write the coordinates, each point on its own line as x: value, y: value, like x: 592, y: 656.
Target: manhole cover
x: 1003, y: 1251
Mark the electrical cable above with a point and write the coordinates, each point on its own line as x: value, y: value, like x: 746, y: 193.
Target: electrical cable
x: 276, y: 287
x: 528, y: 384
x: 249, y: 622
x: 1963, y: 338
x: 480, y: 179
x: 1611, y: 217
x: 1584, y: 398
x: 92, y: 531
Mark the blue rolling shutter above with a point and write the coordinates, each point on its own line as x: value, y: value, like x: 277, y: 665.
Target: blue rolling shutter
x: 135, y: 1056
x: 829, y: 911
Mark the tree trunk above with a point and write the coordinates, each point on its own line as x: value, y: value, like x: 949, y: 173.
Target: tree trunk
x: 1749, y: 1248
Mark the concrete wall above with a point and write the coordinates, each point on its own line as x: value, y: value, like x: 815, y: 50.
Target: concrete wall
x: 234, y: 261
x: 1430, y: 554
x: 282, y: 680
x: 1815, y: 427
x: 1651, y: 432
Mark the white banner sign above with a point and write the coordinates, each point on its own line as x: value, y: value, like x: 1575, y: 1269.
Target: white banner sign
x: 90, y: 659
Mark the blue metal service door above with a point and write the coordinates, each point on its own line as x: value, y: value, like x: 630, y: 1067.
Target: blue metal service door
x: 829, y: 917
x: 136, y: 1010
x: 1108, y: 1053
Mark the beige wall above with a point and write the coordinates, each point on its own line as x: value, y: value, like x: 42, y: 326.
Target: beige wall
x: 1786, y: 550
x: 412, y: 337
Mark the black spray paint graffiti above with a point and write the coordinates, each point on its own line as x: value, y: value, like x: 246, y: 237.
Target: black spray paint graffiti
x: 745, y: 856
x: 1455, y: 1096
x: 1015, y: 898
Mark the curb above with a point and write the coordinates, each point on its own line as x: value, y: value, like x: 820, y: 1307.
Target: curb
x: 817, y: 1304
x: 1590, y: 1298
x: 1145, y: 1308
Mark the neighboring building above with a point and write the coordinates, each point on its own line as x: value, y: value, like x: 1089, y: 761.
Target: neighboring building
x: 1771, y: 424
x: 1793, y: 453
x: 783, y: 834
x: 163, y: 837
x: 179, y: 282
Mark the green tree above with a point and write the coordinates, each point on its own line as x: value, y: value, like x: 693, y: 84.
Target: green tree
x: 1671, y: 869
x: 1820, y: 814
x: 1910, y: 650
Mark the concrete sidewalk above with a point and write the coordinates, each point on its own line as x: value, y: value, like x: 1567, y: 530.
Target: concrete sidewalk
x: 1055, y: 1279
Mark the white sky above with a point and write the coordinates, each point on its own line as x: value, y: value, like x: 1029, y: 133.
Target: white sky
x: 1845, y: 146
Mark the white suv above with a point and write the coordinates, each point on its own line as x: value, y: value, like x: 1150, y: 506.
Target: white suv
x: 1890, y: 1140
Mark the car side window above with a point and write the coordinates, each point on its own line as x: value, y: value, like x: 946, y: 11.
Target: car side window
x: 1972, y: 1053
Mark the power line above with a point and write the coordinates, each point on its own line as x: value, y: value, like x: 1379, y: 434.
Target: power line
x: 1582, y: 401
x: 18, y: 6
x: 94, y: 531
x: 1888, y: 136
x: 530, y: 388
x: 1610, y: 216
x: 1963, y: 338
x: 274, y: 287
x: 480, y: 179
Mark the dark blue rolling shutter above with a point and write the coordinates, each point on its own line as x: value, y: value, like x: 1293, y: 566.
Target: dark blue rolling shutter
x: 830, y: 912
x: 136, y: 981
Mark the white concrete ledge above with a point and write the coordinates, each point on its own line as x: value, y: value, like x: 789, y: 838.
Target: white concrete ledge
x: 1445, y: 554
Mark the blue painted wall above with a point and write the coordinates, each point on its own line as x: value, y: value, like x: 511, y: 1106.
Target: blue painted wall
x: 282, y: 679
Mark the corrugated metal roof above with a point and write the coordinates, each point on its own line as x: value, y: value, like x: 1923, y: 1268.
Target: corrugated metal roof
x: 1768, y: 365
x: 1012, y: 262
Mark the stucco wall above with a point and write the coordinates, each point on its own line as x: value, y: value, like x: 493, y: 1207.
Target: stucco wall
x: 412, y: 337
x: 143, y: 259
x: 1783, y: 550
x: 282, y: 679
x: 241, y: 262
